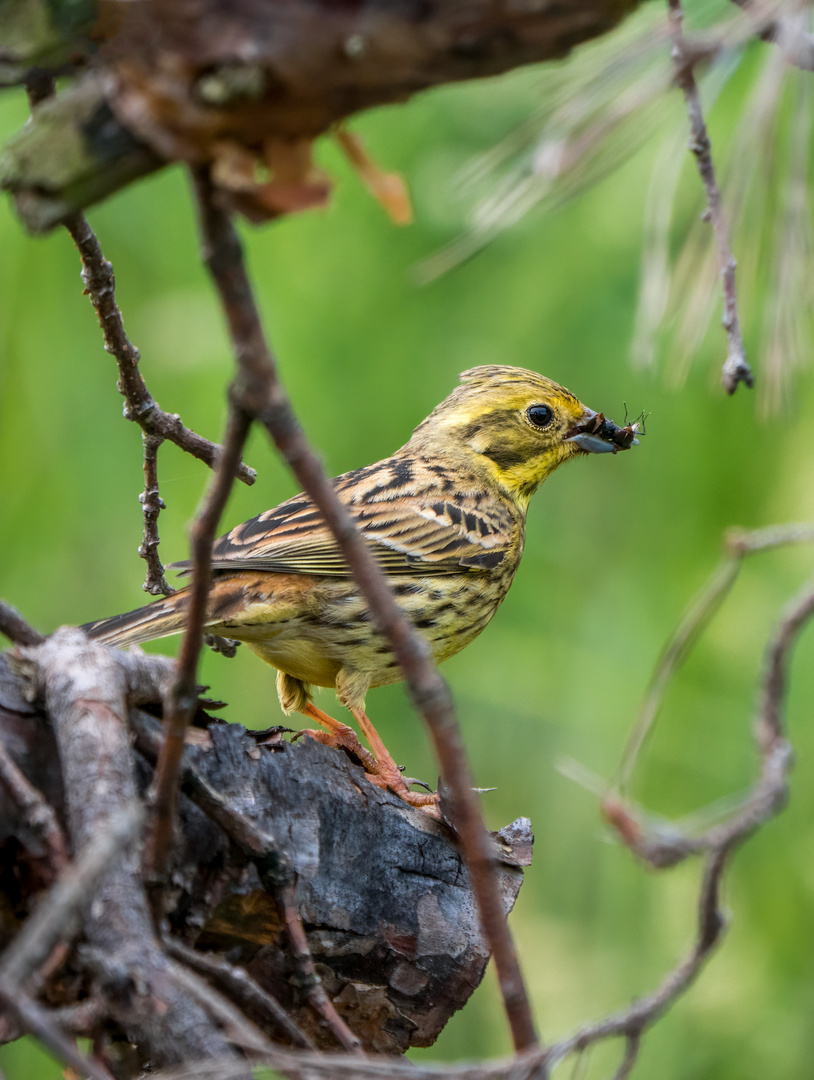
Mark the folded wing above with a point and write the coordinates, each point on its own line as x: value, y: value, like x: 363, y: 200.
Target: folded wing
x: 407, y: 535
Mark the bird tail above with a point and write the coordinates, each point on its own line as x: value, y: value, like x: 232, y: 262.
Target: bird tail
x: 156, y: 620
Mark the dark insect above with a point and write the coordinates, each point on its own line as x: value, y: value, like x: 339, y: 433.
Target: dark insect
x: 621, y: 437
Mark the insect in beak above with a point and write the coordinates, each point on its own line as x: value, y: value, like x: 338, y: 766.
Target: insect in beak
x: 596, y: 435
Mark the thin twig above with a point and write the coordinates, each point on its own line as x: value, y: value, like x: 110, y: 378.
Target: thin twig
x: 261, y: 395
x: 307, y: 978
x: 240, y: 987
x: 182, y: 698
x: 737, y: 546
x: 16, y: 629
x: 736, y: 368
x: 276, y: 876
x: 37, y: 1021
x: 152, y: 504
x: 57, y: 914
x: 140, y: 406
x: 38, y: 814
x: 769, y: 721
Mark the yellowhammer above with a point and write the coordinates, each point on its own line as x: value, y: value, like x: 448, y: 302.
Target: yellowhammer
x: 445, y: 518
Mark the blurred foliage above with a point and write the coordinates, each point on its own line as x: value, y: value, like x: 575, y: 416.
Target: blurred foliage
x: 616, y: 546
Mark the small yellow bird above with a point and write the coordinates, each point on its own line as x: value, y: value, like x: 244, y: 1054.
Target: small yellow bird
x: 445, y: 519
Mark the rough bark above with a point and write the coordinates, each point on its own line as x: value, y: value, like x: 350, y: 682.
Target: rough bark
x: 381, y: 888
x: 249, y: 85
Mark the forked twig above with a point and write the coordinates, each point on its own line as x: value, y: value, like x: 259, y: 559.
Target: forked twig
x: 259, y: 392
x: 736, y: 368
x: 140, y: 406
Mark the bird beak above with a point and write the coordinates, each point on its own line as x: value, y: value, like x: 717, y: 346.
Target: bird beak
x: 596, y: 435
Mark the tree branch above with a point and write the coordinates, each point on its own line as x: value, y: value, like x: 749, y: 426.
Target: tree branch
x: 736, y: 368
x: 140, y: 406
x: 258, y: 391
x: 182, y: 699
x: 152, y: 504
x: 86, y: 688
x: 193, y: 82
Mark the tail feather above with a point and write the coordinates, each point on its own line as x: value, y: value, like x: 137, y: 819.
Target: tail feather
x: 156, y: 620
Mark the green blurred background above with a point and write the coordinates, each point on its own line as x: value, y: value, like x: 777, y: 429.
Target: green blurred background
x: 616, y: 546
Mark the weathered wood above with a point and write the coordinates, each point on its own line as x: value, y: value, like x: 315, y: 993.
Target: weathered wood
x: 246, y: 86
x: 381, y: 887
x: 44, y: 35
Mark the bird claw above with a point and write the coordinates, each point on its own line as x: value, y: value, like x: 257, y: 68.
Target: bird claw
x: 411, y: 780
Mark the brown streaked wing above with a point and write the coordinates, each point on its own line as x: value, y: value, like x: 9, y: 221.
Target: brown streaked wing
x: 407, y: 535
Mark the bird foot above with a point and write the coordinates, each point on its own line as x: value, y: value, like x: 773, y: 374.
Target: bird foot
x: 389, y: 778
x: 346, y: 739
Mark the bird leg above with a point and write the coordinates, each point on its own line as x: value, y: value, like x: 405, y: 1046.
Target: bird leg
x: 379, y: 766
x: 338, y: 734
x: 388, y: 774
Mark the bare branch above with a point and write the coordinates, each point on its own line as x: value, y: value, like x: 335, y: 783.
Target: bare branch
x: 260, y: 393
x: 140, y: 406
x: 183, y: 696
x: 307, y: 976
x: 152, y: 504
x: 56, y: 917
x: 736, y: 368
x: 39, y: 1022
x: 38, y: 815
x: 16, y: 629
x: 241, y: 987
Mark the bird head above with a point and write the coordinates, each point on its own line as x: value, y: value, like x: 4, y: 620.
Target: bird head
x: 518, y: 426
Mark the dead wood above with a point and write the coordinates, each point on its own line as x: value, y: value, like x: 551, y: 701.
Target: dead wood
x: 381, y: 888
x: 244, y: 88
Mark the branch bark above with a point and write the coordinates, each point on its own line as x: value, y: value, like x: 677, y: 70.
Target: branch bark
x: 258, y: 392
x: 395, y: 939
x: 173, y: 82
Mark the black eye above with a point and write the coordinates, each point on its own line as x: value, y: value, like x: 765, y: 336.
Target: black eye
x: 540, y: 415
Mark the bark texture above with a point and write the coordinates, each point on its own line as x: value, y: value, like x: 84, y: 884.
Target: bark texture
x: 381, y: 888
x: 246, y: 86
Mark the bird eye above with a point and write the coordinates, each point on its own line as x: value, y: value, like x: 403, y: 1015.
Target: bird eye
x: 540, y: 415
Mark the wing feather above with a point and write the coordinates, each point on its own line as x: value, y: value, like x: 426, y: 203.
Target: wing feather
x: 408, y: 534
